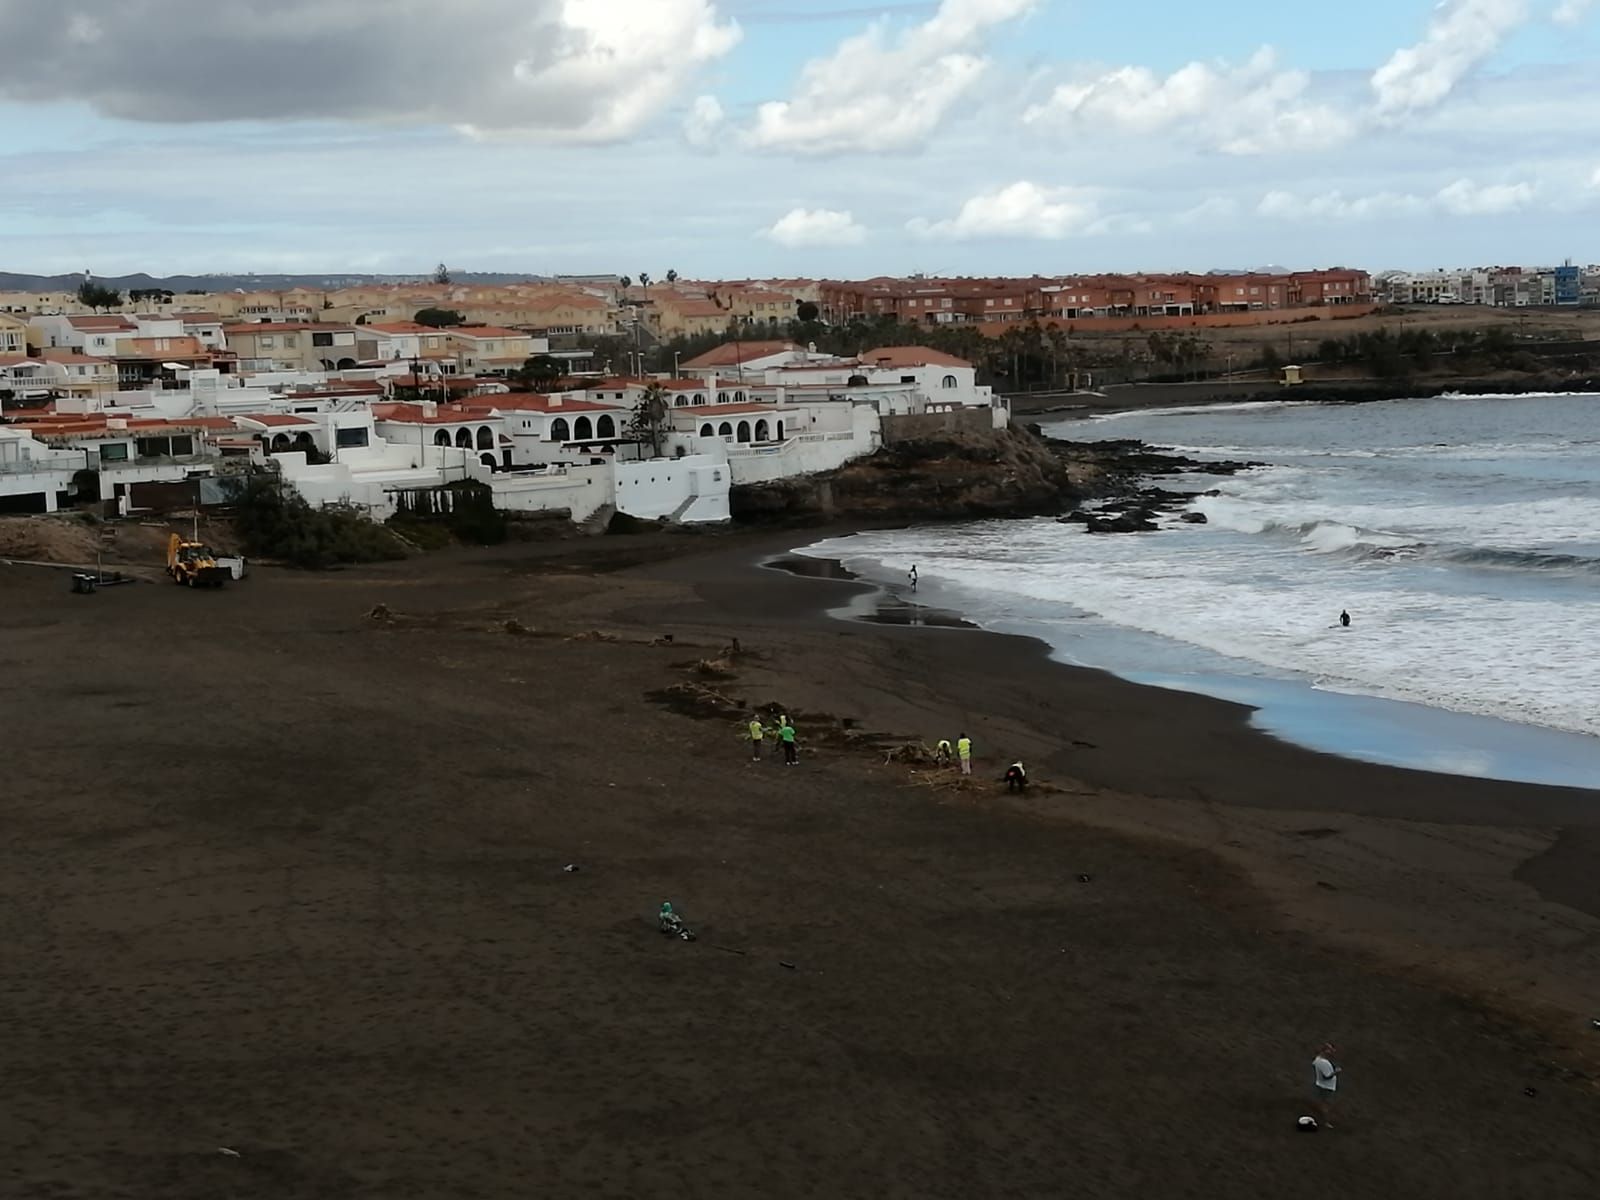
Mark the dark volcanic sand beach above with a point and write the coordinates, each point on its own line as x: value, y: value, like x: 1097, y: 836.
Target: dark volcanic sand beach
x: 284, y: 879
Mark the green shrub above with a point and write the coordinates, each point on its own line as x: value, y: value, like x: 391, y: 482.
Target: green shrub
x: 275, y: 521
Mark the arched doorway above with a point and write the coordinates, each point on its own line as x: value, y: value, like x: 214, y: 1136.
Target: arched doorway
x: 707, y: 431
x: 488, y: 461
x: 761, y: 430
x: 485, y: 438
x: 302, y: 441
x: 347, y: 364
x: 780, y: 431
x: 442, y: 438
x: 559, y: 430
x: 681, y: 402
x: 280, y: 442
x: 724, y: 430
x: 605, y: 427
x: 464, y: 439
x: 699, y: 397
x: 583, y: 429
x: 744, y: 431
x: 722, y: 397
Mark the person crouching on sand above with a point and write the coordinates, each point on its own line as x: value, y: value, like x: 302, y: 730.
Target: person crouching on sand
x: 1325, y: 1083
x: 757, y: 733
x: 786, y: 735
x: 1016, y: 777
x: 941, y: 752
x: 964, y: 753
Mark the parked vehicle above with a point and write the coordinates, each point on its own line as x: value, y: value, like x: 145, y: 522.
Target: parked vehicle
x: 192, y: 564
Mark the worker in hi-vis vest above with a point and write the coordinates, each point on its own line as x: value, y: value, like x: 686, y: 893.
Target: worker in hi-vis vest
x: 757, y: 733
x: 942, y: 752
x: 964, y: 753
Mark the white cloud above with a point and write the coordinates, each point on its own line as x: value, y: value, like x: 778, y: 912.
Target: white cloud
x: 1020, y: 210
x: 1461, y: 35
x: 877, y: 92
x: 816, y: 227
x: 704, y: 122
x: 1336, y: 206
x: 1594, y: 179
x: 1572, y: 13
x: 564, y: 70
x: 1254, y: 108
x: 1463, y: 198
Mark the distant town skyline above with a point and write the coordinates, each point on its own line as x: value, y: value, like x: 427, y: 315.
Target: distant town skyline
x: 752, y: 138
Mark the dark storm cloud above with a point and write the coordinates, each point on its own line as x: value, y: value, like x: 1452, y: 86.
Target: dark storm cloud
x: 589, y: 69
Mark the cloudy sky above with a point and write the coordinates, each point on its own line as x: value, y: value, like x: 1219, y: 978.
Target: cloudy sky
x: 805, y: 137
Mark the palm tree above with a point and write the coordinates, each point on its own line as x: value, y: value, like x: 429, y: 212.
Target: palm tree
x: 672, y: 276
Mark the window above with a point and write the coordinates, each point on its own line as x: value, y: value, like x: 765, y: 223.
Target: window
x: 291, y: 341
x: 114, y: 452
x: 267, y: 343
x: 322, y: 339
x: 560, y: 431
x: 707, y: 431
x: 949, y: 381
x: 908, y: 379
x: 988, y: 303
x: 351, y: 439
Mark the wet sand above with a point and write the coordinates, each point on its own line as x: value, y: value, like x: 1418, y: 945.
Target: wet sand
x: 285, y: 879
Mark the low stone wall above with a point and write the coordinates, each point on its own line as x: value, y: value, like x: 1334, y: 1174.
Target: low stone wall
x: 920, y: 426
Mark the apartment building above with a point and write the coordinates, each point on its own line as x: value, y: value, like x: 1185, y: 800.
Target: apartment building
x: 292, y: 346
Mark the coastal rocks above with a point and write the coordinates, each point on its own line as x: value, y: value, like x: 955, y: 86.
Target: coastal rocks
x: 1195, y: 518
x: 958, y: 476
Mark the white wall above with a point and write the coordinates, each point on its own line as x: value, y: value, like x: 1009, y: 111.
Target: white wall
x: 691, y: 489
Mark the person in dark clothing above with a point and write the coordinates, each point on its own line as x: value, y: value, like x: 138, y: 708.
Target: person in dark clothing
x: 1016, y: 777
x: 1344, y: 619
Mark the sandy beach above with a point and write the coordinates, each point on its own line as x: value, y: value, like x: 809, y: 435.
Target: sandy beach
x: 286, y: 879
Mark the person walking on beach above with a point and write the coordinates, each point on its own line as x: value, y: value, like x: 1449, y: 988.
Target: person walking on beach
x: 1325, y: 1083
x: 757, y: 733
x: 964, y: 753
x: 912, y: 575
x: 791, y: 753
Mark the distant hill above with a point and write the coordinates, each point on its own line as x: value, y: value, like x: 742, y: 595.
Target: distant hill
x: 11, y: 281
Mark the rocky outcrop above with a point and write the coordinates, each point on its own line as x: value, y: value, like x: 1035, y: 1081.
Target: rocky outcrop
x: 956, y: 476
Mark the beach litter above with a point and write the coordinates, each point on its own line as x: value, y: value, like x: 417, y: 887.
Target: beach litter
x: 516, y: 628
x: 571, y: 868
x: 229, y: 1151
x: 1306, y: 1124
x: 379, y: 612
x: 671, y: 924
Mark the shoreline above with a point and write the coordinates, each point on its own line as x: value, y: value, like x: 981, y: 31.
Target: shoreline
x: 1288, y: 709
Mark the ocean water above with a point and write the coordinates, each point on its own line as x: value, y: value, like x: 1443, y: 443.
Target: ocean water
x: 1462, y: 535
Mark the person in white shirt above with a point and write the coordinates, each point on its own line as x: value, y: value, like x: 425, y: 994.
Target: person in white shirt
x: 1325, y: 1082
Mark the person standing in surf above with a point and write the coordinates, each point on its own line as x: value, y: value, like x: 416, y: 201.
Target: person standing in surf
x: 1344, y: 619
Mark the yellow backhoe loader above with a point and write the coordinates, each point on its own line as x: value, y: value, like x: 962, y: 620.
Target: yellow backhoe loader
x: 193, y: 564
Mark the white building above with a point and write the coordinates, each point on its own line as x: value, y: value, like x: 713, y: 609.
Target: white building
x: 34, y: 477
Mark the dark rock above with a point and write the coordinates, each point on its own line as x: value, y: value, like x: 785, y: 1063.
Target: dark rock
x: 1195, y: 518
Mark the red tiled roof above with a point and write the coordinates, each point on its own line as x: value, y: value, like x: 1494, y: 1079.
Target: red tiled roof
x: 100, y: 323
x: 535, y: 402
x: 912, y: 356
x: 732, y: 410
x: 485, y: 331
x: 731, y: 354
x: 270, y: 327
x: 276, y: 419
x: 416, y: 414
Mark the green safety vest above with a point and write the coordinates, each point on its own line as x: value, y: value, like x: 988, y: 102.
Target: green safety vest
x: 964, y: 747
x: 756, y: 731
